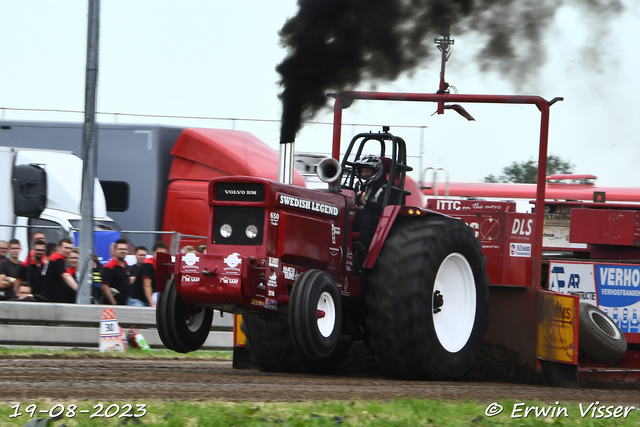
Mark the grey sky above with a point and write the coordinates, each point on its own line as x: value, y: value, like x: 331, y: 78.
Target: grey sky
x: 217, y: 59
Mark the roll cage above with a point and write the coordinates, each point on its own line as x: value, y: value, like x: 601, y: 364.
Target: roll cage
x: 395, y: 166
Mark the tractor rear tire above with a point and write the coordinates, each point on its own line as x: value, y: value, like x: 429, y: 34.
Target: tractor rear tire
x: 269, y: 343
x: 271, y: 347
x: 427, y: 300
x: 187, y: 326
x: 315, y: 314
x: 599, y: 336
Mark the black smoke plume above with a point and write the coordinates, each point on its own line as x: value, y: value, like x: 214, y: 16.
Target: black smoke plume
x: 335, y: 44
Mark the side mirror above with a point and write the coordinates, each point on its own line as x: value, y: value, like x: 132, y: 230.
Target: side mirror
x: 29, y: 190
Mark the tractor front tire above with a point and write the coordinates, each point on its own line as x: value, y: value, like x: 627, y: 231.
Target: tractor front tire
x: 599, y: 336
x: 186, y: 325
x: 315, y: 314
x: 162, y: 313
x: 427, y: 300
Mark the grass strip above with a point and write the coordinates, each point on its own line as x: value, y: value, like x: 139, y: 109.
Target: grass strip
x: 131, y: 353
x: 397, y: 412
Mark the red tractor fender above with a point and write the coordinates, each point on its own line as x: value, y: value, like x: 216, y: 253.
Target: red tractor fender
x: 387, y: 219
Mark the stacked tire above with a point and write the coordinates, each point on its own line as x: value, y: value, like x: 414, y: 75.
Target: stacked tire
x: 599, y: 337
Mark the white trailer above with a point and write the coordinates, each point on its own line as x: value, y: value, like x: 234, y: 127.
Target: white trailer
x: 49, y: 184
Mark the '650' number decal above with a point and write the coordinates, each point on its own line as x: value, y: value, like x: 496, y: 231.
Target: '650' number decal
x: 275, y: 218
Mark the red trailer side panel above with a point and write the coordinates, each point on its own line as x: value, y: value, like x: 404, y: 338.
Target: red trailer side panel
x: 605, y: 227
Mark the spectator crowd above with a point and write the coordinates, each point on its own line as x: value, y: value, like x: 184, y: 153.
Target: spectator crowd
x: 50, y: 273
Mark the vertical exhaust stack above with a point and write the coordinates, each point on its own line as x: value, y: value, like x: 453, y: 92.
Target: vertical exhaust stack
x: 289, y: 126
x: 285, y: 166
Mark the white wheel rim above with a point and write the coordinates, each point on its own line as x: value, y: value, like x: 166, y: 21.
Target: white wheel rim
x: 605, y: 324
x: 195, y: 321
x: 454, y: 323
x: 326, y: 323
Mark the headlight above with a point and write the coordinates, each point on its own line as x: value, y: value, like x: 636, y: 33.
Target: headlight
x: 225, y: 230
x: 251, y: 231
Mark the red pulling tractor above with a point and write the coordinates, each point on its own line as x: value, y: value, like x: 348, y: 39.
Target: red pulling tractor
x: 287, y: 258
x: 284, y: 257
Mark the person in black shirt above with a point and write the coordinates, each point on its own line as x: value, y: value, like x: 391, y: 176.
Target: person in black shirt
x: 31, y: 269
x: 73, y: 261
x: 115, y: 275
x: 35, y: 236
x: 9, y: 271
x: 24, y: 293
x: 369, y: 196
x: 97, y: 280
x: 137, y: 297
x: 60, y: 285
x: 4, y: 247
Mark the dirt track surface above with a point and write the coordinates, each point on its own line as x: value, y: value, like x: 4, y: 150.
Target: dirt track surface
x: 171, y: 379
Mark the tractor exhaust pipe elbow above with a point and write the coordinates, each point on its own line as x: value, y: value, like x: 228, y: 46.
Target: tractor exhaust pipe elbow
x: 329, y: 171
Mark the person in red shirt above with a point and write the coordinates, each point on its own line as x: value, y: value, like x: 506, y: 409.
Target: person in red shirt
x: 60, y: 285
x: 115, y: 275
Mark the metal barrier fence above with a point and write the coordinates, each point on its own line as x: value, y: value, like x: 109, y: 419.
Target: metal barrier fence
x: 53, y: 233
x: 175, y: 240
x: 37, y: 325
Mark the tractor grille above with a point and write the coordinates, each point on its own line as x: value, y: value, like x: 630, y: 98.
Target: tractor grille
x: 240, y: 191
x: 231, y: 225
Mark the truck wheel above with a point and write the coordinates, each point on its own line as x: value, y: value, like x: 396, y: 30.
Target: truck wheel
x: 269, y: 343
x: 427, y: 300
x: 315, y: 314
x: 599, y: 337
x: 188, y: 326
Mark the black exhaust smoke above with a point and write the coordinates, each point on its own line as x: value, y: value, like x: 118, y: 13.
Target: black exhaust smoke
x: 335, y: 44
